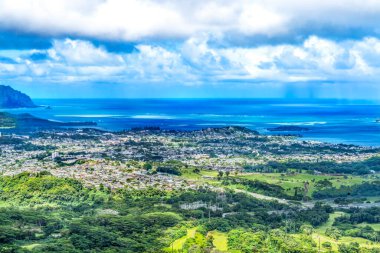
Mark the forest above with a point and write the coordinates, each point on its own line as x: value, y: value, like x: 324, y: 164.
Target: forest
x: 43, y: 213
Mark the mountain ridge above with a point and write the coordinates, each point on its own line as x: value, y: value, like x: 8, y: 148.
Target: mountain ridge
x: 11, y: 98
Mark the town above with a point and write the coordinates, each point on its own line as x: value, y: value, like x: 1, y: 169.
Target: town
x: 117, y: 159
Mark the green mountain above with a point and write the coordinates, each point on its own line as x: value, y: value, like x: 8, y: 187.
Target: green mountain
x: 11, y: 98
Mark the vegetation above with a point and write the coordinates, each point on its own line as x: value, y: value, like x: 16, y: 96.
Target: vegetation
x: 364, y: 189
x: 213, y: 190
x: 42, y: 213
x: 331, y: 167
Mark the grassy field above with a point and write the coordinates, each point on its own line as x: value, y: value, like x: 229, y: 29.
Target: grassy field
x: 31, y: 246
x: 375, y: 226
x: 319, y: 235
x: 329, y: 223
x: 220, y: 240
x: 374, y: 198
x: 288, y: 181
x: 178, y: 244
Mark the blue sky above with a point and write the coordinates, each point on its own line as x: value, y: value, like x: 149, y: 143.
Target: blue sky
x: 198, y: 48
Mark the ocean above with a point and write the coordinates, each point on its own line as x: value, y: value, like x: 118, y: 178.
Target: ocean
x: 334, y: 121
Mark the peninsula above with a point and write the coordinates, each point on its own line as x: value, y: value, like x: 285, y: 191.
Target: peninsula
x: 11, y: 98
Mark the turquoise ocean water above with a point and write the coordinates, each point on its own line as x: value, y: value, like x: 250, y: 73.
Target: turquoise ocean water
x: 328, y: 120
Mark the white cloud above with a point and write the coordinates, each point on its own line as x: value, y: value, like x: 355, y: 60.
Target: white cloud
x: 196, y: 61
x: 153, y: 63
x: 82, y: 53
x: 256, y: 19
x: 134, y: 20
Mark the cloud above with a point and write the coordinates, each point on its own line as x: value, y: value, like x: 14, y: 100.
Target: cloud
x: 197, y: 61
x: 153, y: 63
x: 137, y: 20
x: 70, y: 61
x: 78, y: 52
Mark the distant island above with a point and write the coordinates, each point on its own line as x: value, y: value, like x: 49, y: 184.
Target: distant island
x: 11, y: 98
x: 288, y: 129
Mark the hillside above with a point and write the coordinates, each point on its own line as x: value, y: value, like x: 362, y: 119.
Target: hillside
x: 7, y: 122
x: 26, y: 121
x: 11, y: 98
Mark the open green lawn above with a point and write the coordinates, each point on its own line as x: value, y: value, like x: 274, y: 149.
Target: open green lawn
x: 319, y: 234
x: 329, y: 223
x: 220, y: 240
x: 178, y: 244
x: 375, y: 226
x: 189, y: 174
x: 374, y: 198
x: 345, y: 239
x: 31, y: 246
x: 288, y: 181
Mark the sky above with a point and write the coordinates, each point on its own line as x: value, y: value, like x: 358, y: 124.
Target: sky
x: 191, y: 48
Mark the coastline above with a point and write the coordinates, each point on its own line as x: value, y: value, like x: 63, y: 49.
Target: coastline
x: 342, y: 123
